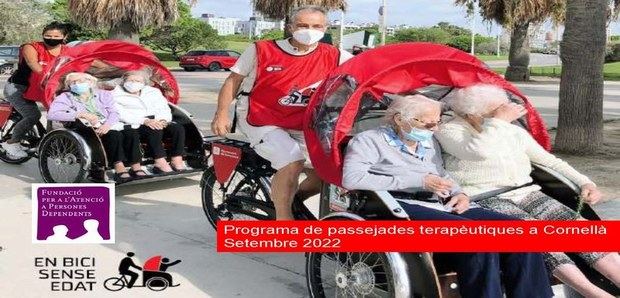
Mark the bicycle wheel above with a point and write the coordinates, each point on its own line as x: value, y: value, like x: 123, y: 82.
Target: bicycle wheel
x: 350, y: 274
x: 114, y: 283
x: 242, y: 197
x: 157, y: 284
x: 62, y: 158
x: 30, y: 141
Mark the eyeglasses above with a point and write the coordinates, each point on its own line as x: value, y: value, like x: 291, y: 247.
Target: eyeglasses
x: 428, y: 125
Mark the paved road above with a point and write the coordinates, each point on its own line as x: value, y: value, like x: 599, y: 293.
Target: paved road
x: 167, y: 218
x: 536, y: 59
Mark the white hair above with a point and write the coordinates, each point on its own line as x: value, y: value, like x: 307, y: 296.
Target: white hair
x: 74, y: 75
x: 409, y: 107
x: 306, y: 8
x: 476, y: 100
x: 144, y: 74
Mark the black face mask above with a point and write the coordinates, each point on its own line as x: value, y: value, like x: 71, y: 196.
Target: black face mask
x: 53, y: 42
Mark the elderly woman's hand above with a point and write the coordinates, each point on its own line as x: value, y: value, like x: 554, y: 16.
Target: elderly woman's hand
x: 91, y: 118
x: 438, y: 185
x: 153, y: 124
x: 509, y: 112
x: 591, y: 194
x: 103, y: 129
x: 458, y: 203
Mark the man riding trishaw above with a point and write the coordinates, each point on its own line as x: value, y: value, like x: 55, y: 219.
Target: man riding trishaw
x: 275, y: 80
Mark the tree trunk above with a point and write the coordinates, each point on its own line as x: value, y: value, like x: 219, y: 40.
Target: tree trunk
x: 519, y: 56
x: 582, y: 50
x: 124, y: 31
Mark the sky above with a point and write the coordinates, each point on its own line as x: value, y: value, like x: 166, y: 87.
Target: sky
x: 419, y: 13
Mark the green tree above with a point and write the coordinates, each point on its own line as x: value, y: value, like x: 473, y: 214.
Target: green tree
x: 517, y: 15
x: 123, y: 19
x: 435, y: 34
x: 59, y: 9
x: 22, y: 21
x: 273, y: 34
x: 183, y: 35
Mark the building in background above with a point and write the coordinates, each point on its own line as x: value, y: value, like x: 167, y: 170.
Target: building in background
x: 223, y: 26
x: 257, y: 25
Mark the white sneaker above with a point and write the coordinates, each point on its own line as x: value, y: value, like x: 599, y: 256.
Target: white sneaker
x: 14, y: 150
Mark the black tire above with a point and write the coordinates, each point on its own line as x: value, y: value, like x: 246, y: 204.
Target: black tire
x: 7, y: 69
x: 30, y: 141
x: 214, y: 66
x: 114, y: 284
x: 189, y: 68
x: 58, y: 151
x: 258, y: 205
x: 351, y: 274
x: 151, y: 284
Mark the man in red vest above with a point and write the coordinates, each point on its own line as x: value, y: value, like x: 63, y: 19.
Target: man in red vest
x: 276, y: 79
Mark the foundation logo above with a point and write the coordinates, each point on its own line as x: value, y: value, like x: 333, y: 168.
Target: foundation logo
x: 72, y: 213
x: 154, y: 275
x: 299, y: 97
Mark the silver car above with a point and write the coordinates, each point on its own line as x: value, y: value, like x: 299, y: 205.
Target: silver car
x: 9, y: 57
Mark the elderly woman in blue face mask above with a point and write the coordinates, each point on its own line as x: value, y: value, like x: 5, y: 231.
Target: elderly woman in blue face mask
x: 402, y: 157
x: 145, y: 108
x: 83, y: 100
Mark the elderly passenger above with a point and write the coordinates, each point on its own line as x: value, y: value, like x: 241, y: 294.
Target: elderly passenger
x: 485, y: 153
x: 145, y: 108
x: 403, y: 157
x: 83, y: 100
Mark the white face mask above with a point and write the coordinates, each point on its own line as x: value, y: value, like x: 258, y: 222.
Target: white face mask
x: 133, y: 86
x: 308, y: 36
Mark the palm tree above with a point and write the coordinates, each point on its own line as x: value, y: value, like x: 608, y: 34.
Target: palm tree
x: 280, y: 9
x: 516, y: 15
x: 582, y: 50
x: 123, y: 19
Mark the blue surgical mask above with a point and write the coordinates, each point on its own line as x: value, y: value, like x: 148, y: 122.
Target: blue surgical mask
x: 418, y: 135
x: 80, y: 88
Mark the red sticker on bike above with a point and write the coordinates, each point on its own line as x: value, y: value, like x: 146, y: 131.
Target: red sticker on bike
x: 225, y: 160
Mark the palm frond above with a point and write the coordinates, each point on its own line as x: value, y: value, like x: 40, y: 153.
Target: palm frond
x: 279, y: 9
x: 509, y: 12
x: 139, y: 13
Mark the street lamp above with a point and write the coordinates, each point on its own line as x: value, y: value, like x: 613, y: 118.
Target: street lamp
x: 382, y: 16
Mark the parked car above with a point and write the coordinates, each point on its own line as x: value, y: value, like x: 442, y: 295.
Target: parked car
x: 9, y: 56
x: 212, y: 60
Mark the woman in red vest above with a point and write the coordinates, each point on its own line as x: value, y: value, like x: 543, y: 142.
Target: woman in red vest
x: 23, y: 88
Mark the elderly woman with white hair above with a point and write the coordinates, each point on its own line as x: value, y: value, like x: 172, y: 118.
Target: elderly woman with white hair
x: 403, y: 157
x: 487, y: 154
x: 83, y: 100
x: 145, y: 108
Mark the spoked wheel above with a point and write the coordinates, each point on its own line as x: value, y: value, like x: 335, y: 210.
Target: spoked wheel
x: 114, y: 283
x: 30, y: 141
x: 242, y: 197
x: 350, y: 274
x: 62, y: 159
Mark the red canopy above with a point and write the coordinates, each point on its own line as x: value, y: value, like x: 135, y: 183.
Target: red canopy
x: 124, y: 55
x: 152, y: 264
x: 391, y: 69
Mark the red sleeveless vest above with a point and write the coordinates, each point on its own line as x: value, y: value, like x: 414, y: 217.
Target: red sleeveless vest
x: 285, y: 82
x: 35, y: 92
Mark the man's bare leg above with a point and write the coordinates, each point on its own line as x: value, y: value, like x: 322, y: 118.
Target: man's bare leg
x: 310, y: 186
x: 284, y: 184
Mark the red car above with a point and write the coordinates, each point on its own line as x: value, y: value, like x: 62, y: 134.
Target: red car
x: 212, y: 60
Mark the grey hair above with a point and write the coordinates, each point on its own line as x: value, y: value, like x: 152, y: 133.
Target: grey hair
x: 410, y: 106
x: 476, y: 100
x: 92, y: 80
x: 311, y: 8
x: 145, y: 74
